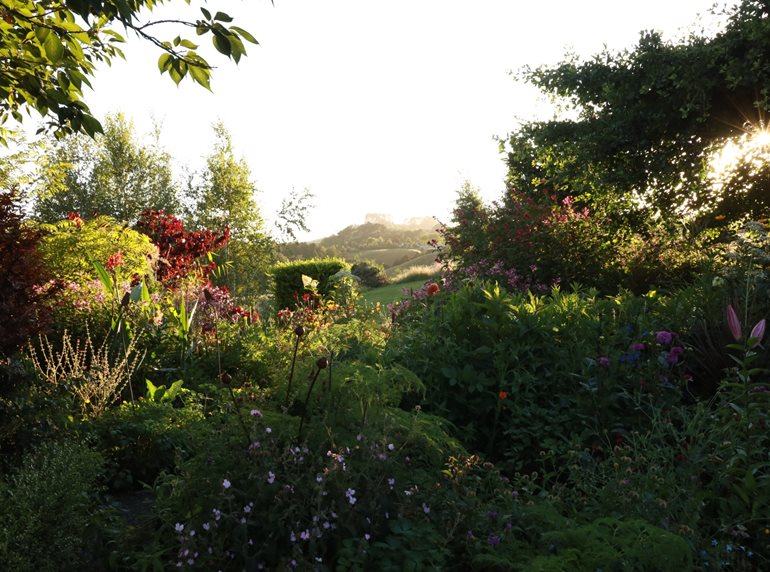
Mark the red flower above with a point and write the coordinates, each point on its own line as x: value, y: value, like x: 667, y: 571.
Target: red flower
x: 503, y: 395
x: 115, y: 260
x: 432, y: 289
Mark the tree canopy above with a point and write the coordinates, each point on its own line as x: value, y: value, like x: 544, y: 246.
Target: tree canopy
x: 648, y: 120
x: 114, y: 175
x: 50, y: 48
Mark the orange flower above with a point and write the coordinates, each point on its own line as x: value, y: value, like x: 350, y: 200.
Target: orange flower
x: 503, y: 395
x: 432, y: 288
x: 720, y: 217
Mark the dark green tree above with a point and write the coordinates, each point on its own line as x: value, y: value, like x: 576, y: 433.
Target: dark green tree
x: 649, y: 120
x: 113, y: 174
x: 50, y: 48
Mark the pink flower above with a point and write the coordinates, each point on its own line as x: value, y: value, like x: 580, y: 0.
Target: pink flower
x: 733, y: 323
x: 757, y: 333
x: 638, y: 347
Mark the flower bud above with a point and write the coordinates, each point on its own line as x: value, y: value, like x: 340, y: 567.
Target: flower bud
x: 758, y: 332
x: 734, y: 323
x: 126, y: 299
x: 299, y: 331
x: 225, y: 378
x: 322, y: 363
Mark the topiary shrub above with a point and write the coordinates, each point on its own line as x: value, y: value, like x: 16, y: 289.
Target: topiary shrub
x: 288, y: 284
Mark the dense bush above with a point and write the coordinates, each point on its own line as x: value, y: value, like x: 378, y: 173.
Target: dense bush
x: 370, y: 273
x: 70, y: 247
x: 528, y: 242
x: 287, y: 277
x: 49, y: 512
x: 519, y: 373
x: 181, y: 251
x: 21, y: 315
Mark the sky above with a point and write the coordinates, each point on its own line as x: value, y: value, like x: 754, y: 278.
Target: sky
x: 376, y: 106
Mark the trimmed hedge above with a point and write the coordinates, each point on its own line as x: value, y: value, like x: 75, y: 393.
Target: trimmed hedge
x: 287, y: 278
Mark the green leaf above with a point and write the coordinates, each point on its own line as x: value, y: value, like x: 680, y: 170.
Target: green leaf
x: 91, y: 125
x: 222, y: 17
x: 164, y: 62
x: 41, y: 34
x: 222, y: 44
x: 201, y: 76
x: 104, y: 276
x: 176, y: 76
x: 54, y: 49
x: 172, y: 391
x: 206, y: 14
x: 244, y: 34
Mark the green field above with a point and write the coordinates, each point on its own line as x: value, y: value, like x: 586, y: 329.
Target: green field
x: 387, y: 294
x: 389, y: 256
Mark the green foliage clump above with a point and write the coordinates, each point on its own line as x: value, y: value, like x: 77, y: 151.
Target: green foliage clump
x: 370, y: 273
x: 613, y: 545
x: 69, y: 248
x: 288, y: 284
x: 518, y: 373
x: 48, y: 509
x: 113, y: 175
x: 141, y: 439
x: 532, y: 242
x: 647, y: 120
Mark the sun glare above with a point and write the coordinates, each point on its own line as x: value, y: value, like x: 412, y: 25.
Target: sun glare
x: 753, y: 146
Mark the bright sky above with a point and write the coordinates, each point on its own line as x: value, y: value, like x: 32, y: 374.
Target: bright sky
x: 382, y: 106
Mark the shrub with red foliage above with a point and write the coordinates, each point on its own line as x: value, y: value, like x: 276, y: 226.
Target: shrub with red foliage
x: 21, y: 311
x: 180, y: 250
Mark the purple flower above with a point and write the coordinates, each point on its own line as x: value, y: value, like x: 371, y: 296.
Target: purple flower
x: 270, y: 477
x: 225, y: 484
x: 638, y: 347
x: 425, y: 508
x: 255, y: 413
x: 493, y: 540
x: 664, y: 338
x: 674, y: 354
x: 603, y: 361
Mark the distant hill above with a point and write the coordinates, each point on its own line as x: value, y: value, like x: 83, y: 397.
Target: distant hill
x: 379, y: 239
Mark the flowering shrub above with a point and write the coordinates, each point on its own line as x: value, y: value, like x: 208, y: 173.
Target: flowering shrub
x: 527, y: 243
x: 515, y: 373
x: 69, y: 248
x: 181, y: 251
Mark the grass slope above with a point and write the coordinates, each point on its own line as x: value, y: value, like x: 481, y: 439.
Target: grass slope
x: 387, y: 294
